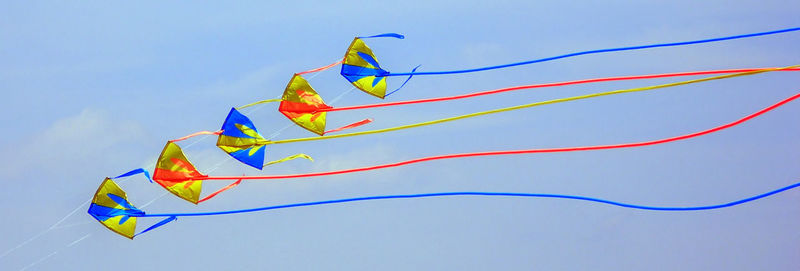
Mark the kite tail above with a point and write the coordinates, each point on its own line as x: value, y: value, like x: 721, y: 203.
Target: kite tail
x: 352, y: 125
x: 492, y: 194
x: 259, y: 102
x: 385, y: 35
x: 220, y: 191
x: 321, y: 68
x: 404, y: 83
x: 556, y: 84
x: 159, y: 224
x: 134, y: 172
x: 600, y: 51
x: 197, y: 134
x: 292, y: 157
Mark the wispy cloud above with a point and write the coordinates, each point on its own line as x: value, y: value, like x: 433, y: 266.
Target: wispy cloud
x: 70, y: 141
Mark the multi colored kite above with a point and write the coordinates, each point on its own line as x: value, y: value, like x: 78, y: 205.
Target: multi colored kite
x: 111, y: 207
x: 174, y: 172
x: 361, y: 67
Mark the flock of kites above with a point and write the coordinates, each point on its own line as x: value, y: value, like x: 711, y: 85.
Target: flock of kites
x: 303, y: 105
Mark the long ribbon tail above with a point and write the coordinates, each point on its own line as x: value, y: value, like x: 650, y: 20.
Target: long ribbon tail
x: 349, y: 126
x: 404, y: 83
x: 196, y: 134
x: 517, y: 152
x: 385, y: 35
x: 220, y: 191
x: 299, y: 155
x: 554, y: 101
x: 259, y: 102
x: 494, y: 194
x: 555, y: 84
x: 134, y: 172
x: 159, y: 224
x: 322, y: 68
x: 603, y: 51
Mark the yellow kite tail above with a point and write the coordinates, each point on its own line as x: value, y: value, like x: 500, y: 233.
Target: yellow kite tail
x: 299, y: 155
x: 259, y: 102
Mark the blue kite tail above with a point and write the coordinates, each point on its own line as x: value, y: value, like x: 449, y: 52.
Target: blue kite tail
x: 159, y: 224
x: 492, y: 194
x: 404, y: 83
x: 601, y: 51
x: 134, y: 172
x: 385, y: 35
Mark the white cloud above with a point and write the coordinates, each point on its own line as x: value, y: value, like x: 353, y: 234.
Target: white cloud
x: 70, y: 141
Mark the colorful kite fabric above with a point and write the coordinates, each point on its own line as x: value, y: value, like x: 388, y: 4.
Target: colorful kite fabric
x: 303, y: 106
x: 175, y: 173
x: 299, y: 96
x: 361, y: 68
x: 241, y: 140
x: 111, y: 208
x: 180, y: 177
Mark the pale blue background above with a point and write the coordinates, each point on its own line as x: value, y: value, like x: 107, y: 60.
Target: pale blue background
x: 94, y: 90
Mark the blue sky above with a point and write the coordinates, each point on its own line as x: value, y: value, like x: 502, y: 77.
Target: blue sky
x: 94, y: 90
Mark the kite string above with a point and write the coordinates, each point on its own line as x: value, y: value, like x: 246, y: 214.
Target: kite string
x: 529, y: 151
x: 600, y: 51
x: 197, y: 134
x: 489, y: 194
x: 322, y: 68
x: 529, y: 105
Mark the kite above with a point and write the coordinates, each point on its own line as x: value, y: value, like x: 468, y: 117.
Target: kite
x: 240, y: 139
x: 302, y: 105
x: 361, y: 67
x: 192, y: 176
x: 174, y: 172
x: 111, y: 207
